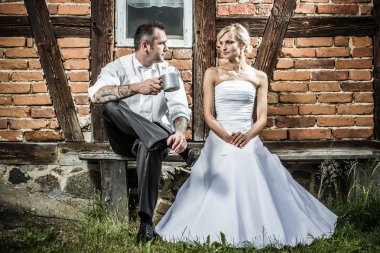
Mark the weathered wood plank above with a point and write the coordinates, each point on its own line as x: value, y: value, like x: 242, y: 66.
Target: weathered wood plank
x: 11, y: 26
x: 52, y: 65
x: 204, y: 56
x: 101, y: 47
x: 376, y: 71
x: 274, y: 35
x: 307, y: 26
x: 28, y: 153
x: 114, y: 188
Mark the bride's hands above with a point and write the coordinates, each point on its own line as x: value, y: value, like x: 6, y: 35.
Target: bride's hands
x: 239, y: 139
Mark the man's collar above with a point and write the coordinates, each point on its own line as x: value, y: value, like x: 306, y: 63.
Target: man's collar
x: 137, y: 64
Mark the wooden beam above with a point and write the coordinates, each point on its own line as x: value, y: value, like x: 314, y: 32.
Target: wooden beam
x: 307, y: 26
x: 101, y: 54
x: 204, y: 56
x: 273, y: 36
x: 52, y: 65
x: 13, y: 26
x: 376, y: 71
x: 28, y: 153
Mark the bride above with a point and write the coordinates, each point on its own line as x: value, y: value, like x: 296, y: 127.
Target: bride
x: 237, y: 189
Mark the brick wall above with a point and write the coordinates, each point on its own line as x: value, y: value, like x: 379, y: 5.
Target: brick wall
x: 26, y: 111
x: 321, y: 88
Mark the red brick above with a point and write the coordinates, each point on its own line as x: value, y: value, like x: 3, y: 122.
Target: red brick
x: 365, y: 9
x: 74, y: 9
x: 282, y: 110
x: 28, y: 124
x: 73, y: 42
x: 263, y: 10
x: 355, y: 109
x: 297, y: 52
x: 305, y: 8
x: 314, y: 64
x: 288, y: 86
x: 338, y: 9
x: 12, y: 41
x: 353, y: 133
x: 13, y: 64
x: 284, y: 122
x: 21, y: 53
x: 242, y: 9
x: 188, y: 87
x: 14, y: 88
x: 329, y: 75
x: 32, y: 100
x: 301, y: 98
x: 3, y: 123
x: 77, y: 64
x: 309, y: 134
x: 119, y: 52
x: 83, y: 111
x: 273, y: 134
x: 76, y: 76
x: 288, y: 42
x: 333, y: 121
x: 30, y: 42
x: 61, y: 1
x: 53, y: 124
x: 364, y: 121
x: 43, y: 112
x: 43, y: 136
x: 81, y: 99
x: 270, y: 122
x: 341, y: 41
x: 182, y: 53
x: 356, y: 86
x: 314, y: 42
x: 39, y: 88
x: 353, y: 64
x: 34, y: 64
x: 363, y: 97
x: 315, y: 1
x: 336, y: 97
x: 79, y: 87
x: 187, y: 75
x: 317, y: 109
x: 362, y: 52
x: 226, y: 1
x: 324, y: 86
x: 5, y: 100
x: 27, y: 76
x: 75, y: 53
x: 350, y: 1
x: 284, y: 63
x: 14, y: 112
x: 53, y: 9
x: 182, y: 64
x: 13, y: 9
x: 4, y: 77
x: 362, y: 41
x: 361, y: 75
x: 333, y: 52
x: 223, y: 10
x: 10, y: 136
x: 291, y: 75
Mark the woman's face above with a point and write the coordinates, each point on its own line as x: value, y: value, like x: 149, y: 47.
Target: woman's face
x: 229, y: 47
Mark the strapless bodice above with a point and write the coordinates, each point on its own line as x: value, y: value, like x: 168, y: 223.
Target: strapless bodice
x: 234, y: 101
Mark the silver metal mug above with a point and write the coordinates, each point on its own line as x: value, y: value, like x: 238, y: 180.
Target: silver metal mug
x: 170, y: 81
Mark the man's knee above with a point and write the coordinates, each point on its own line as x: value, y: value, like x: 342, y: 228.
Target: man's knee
x: 110, y: 108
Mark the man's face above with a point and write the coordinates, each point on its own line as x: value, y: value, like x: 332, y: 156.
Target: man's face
x: 156, y: 51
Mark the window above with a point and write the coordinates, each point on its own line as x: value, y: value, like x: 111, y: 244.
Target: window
x: 175, y: 15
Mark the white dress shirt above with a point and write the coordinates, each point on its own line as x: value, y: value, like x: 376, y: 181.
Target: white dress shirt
x: 164, y: 107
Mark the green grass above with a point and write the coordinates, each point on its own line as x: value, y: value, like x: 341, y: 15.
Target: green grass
x: 358, y: 229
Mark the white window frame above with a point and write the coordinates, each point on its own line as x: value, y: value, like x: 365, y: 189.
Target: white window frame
x: 121, y: 39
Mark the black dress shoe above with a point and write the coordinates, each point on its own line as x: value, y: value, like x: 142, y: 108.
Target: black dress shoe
x: 146, y: 233
x: 190, y: 156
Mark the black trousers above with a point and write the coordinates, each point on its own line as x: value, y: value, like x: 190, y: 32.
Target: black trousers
x: 132, y: 135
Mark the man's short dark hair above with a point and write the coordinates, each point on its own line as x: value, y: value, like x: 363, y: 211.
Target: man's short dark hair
x: 146, y: 31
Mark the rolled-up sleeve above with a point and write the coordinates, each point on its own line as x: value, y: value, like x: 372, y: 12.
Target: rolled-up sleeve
x: 177, y: 103
x: 109, y: 75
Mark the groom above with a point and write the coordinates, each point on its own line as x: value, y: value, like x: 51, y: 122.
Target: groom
x: 137, y: 113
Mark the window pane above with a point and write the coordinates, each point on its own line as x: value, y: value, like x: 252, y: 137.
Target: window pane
x: 170, y: 17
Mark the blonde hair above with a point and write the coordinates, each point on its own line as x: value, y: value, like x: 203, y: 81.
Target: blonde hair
x: 240, y: 32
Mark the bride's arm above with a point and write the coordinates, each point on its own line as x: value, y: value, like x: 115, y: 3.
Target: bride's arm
x: 261, y: 111
x: 208, y: 105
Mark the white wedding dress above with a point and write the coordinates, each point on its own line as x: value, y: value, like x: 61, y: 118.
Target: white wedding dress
x: 246, y: 194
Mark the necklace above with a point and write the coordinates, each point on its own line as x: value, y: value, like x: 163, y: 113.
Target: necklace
x: 235, y: 74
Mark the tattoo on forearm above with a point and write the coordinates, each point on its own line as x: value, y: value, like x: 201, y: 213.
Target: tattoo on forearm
x: 180, y: 124
x: 112, y: 93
